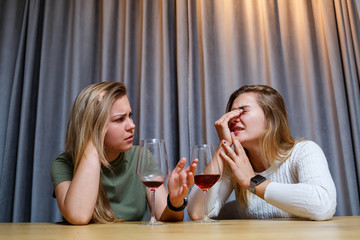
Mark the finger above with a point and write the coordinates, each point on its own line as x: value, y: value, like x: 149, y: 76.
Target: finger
x: 237, y: 145
x: 190, y: 179
x: 233, y: 114
x: 180, y: 165
x: 226, y: 158
x: 224, y: 119
x: 193, y: 166
x: 185, y: 190
x: 229, y: 115
x: 229, y: 151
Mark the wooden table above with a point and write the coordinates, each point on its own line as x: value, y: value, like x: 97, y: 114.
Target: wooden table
x: 276, y: 229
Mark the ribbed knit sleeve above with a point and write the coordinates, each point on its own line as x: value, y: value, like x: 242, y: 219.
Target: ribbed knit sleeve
x: 303, y: 185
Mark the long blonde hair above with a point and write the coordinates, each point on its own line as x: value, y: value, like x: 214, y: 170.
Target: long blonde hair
x: 88, y: 121
x: 276, y: 142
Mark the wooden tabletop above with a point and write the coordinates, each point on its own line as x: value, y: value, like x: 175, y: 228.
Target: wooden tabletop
x: 276, y: 229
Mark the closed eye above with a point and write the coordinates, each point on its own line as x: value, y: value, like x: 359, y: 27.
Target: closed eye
x: 242, y: 109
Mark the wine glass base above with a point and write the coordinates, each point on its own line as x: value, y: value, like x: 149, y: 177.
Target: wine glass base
x: 206, y: 220
x: 153, y: 223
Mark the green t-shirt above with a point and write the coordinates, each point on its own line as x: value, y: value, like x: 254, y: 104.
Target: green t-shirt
x: 126, y: 193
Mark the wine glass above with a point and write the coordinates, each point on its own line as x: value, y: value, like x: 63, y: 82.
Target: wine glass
x: 152, y: 169
x: 207, y: 172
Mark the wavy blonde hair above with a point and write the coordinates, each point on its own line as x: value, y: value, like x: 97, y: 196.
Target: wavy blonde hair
x: 276, y: 142
x: 88, y: 121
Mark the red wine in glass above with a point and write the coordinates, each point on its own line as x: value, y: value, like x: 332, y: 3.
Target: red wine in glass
x: 207, y: 171
x: 153, y: 184
x: 152, y: 169
x: 206, y: 181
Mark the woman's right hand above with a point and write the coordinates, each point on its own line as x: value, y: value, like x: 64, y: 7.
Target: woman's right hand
x: 238, y: 162
x: 222, y: 125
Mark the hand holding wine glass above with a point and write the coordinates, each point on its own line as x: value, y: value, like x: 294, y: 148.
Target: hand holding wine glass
x: 152, y: 168
x: 207, y: 171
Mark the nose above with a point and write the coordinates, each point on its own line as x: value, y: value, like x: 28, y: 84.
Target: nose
x: 130, y: 124
x: 234, y: 120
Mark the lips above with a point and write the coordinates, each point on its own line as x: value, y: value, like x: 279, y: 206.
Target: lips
x: 130, y: 138
x: 236, y: 129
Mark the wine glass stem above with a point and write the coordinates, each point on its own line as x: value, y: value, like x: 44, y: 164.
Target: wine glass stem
x: 153, y: 219
x: 205, y: 207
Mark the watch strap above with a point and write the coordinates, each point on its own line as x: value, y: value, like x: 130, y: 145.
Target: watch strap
x: 176, y: 209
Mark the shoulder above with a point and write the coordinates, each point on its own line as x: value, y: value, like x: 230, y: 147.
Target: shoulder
x: 62, y: 169
x: 63, y: 160
x: 307, y: 152
x: 306, y: 147
x: 307, y: 144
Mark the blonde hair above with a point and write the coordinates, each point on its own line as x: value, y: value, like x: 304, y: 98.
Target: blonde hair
x: 276, y: 142
x: 88, y: 121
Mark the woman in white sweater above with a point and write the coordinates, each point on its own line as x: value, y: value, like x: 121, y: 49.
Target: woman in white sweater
x: 273, y: 176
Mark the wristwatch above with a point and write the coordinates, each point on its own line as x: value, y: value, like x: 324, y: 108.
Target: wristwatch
x: 255, y: 181
x: 176, y: 209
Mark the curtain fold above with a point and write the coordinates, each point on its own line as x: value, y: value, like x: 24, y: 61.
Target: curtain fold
x: 180, y: 60
x: 348, y: 28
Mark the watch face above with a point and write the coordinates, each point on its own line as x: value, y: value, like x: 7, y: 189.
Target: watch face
x: 258, y: 179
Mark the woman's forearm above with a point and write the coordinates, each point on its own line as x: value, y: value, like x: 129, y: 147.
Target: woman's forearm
x: 303, y: 200
x: 77, y: 198
x: 196, y: 203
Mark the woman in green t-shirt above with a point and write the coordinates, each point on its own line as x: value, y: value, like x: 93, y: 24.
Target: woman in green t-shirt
x: 99, y: 149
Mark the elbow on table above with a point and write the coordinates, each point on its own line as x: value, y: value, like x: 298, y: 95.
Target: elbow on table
x: 322, y: 216
x: 323, y: 205
x: 78, y: 219
x: 324, y: 212
x: 319, y: 217
x: 195, y: 215
x: 195, y: 212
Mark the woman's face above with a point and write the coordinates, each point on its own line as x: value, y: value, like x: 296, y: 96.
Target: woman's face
x: 120, y: 132
x: 252, y: 122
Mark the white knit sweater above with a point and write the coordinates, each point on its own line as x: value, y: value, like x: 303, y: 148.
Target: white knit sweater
x: 301, y: 186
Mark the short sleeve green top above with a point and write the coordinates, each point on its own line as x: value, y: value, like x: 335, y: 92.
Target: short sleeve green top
x: 126, y: 193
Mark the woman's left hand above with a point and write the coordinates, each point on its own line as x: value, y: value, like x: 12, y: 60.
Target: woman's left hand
x: 180, y: 182
x: 238, y: 161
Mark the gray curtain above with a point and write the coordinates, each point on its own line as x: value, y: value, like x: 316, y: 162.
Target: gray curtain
x: 180, y: 60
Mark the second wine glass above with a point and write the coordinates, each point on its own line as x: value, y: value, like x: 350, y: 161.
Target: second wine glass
x: 152, y: 168
x: 207, y: 171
